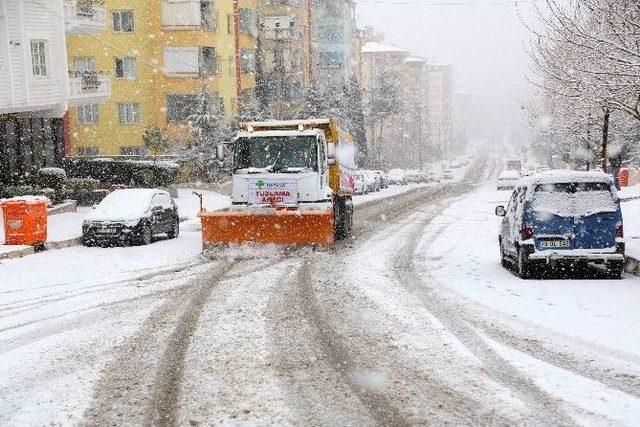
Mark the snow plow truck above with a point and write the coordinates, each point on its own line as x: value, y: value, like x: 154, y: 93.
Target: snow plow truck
x: 293, y: 183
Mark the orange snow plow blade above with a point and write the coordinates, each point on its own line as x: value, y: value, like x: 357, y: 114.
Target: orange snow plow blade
x: 281, y: 227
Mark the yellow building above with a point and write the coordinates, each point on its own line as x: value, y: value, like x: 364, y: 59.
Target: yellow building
x: 160, y: 55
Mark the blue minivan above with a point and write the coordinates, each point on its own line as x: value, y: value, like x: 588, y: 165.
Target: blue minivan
x: 562, y: 217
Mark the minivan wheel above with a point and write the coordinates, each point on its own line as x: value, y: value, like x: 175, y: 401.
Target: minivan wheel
x: 525, y: 270
x: 503, y: 258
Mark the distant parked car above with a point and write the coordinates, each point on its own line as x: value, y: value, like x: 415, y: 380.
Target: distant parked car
x: 371, y: 181
x: 380, y: 177
x: 563, y: 217
x: 397, y: 177
x: 507, y: 180
x: 360, y: 185
x: 131, y: 216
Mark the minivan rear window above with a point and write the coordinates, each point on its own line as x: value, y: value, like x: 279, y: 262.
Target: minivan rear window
x: 573, y: 199
x: 573, y: 187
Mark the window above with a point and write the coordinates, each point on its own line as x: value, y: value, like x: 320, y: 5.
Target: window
x: 208, y: 61
x: 39, y: 57
x: 181, y: 60
x: 88, y: 114
x: 333, y: 34
x: 88, y: 151
x: 181, y: 106
x: 207, y: 15
x: 132, y: 151
x: 331, y: 59
x: 246, y: 25
x: 129, y: 113
x: 84, y: 65
x: 248, y: 61
x: 123, y: 21
x: 126, y: 68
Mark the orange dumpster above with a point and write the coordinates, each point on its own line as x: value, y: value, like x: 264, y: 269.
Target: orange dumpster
x: 623, y: 177
x: 25, y: 221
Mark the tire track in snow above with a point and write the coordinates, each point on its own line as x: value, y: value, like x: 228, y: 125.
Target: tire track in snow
x: 315, y: 363
x: 544, y: 407
x: 579, y: 362
x: 141, y: 384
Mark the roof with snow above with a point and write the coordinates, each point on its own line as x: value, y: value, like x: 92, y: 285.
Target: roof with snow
x: 373, y: 47
x: 415, y: 59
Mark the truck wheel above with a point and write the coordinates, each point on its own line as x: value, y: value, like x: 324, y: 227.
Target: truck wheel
x: 340, y: 218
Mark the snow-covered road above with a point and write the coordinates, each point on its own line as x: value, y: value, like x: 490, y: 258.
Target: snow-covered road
x: 411, y: 322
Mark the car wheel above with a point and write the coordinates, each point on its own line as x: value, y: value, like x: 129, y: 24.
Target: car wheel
x: 503, y: 258
x: 175, y: 230
x: 525, y: 270
x: 146, y: 235
x: 615, y: 270
x: 89, y: 242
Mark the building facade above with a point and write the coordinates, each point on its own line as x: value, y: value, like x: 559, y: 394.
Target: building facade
x: 35, y: 87
x: 440, y: 105
x: 334, y: 35
x: 284, y: 65
x: 162, y: 56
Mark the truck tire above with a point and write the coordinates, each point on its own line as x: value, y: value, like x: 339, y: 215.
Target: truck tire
x: 343, y: 217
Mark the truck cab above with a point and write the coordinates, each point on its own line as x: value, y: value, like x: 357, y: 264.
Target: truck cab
x: 287, y: 169
x: 293, y: 183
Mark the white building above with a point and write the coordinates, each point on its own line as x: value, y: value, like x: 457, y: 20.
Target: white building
x: 35, y: 87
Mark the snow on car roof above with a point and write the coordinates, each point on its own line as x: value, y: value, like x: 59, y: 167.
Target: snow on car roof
x: 565, y: 176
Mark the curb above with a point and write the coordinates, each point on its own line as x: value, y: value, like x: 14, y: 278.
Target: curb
x: 18, y: 253
x: 49, y: 246
x: 63, y: 244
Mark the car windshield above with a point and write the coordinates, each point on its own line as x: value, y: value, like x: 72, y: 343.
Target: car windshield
x: 276, y: 154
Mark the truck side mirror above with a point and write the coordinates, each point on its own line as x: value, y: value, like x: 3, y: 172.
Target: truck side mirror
x: 331, y: 154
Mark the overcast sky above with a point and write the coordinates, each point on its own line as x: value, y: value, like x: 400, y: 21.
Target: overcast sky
x: 484, y: 43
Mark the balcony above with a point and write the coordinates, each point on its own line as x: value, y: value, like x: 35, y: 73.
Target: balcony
x: 89, y: 88
x: 85, y: 16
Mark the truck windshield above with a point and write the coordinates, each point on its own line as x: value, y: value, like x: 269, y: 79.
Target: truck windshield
x: 276, y: 154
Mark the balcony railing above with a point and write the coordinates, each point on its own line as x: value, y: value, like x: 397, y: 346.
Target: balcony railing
x: 89, y: 88
x: 85, y: 16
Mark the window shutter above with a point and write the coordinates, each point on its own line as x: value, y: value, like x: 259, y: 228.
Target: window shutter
x: 182, y: 60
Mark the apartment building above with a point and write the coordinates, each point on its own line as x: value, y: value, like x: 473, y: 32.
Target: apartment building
x: 283, y: 53
x: 383, y: 65
x: 334, y: 36
x: 161, y: 56
x: 35, y: 88
x: 440, y: 105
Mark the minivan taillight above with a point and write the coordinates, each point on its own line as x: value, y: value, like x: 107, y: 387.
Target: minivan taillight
x: 527, y: 233
x: 620, y: 230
